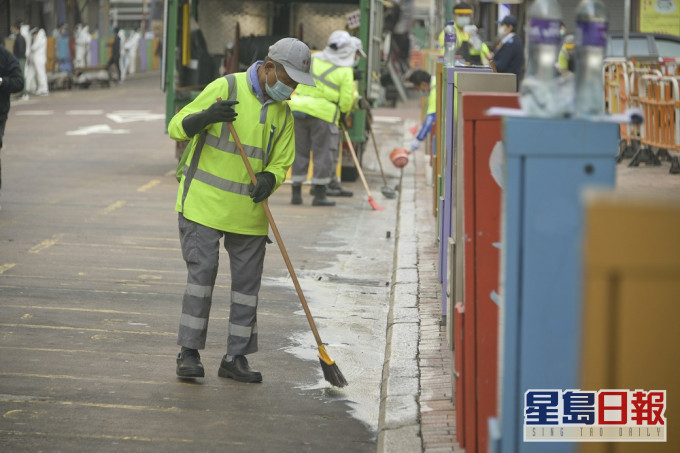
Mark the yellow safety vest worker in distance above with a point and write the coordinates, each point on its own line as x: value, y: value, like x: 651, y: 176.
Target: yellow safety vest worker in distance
x: 462, y: 37
x: 214, y: 189
x: 334, y: 92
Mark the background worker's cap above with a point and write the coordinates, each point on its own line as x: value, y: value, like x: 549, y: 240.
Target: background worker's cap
x: 295, y: 57
x: 509, y: 20
x: 462, y: 8
x: 358, y: 46
x: 339, y: 39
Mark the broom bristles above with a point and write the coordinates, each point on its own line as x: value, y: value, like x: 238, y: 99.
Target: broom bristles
x: 332, y: 374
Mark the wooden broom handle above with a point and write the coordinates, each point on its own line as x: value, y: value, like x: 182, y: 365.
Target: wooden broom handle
x: 279, y: 241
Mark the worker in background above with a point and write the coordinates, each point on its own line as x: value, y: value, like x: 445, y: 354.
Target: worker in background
x: 318, y: 111
x: 19, y: 51
x: 11, y: 81
x: 509, y: 54
x: 129, y: 61
x: 216, y: 199
x: 427, y: 85
x: 63, y: 49
x: 462, y: 16
x: 115, y: 52
x: 83, y: 40
x: 335, y: 189
x: 36, y: 70
x: 565, y: 60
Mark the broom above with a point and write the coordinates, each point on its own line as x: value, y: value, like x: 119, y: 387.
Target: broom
x: 371, y: 201
x: 331, y: 372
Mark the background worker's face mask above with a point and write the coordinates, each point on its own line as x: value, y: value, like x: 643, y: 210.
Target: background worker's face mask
x: 463, y: 21
x: 280, y: 91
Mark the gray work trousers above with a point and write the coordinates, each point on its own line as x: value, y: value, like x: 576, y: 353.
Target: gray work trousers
x: 321, y: 137
x: 200, y: 250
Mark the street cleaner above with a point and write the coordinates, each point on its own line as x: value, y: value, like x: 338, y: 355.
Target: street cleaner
x: 216, y: 199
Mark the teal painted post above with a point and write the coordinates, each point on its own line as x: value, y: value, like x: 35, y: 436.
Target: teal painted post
x: 548, y: 164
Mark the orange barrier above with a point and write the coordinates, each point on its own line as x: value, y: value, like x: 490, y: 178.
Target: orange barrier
x: 650, y: 85
x: 660, y: 102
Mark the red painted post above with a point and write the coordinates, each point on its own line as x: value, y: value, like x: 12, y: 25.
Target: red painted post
x: 481, y: 248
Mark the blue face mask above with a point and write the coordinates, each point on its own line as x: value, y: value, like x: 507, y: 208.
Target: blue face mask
x: 280, y: 91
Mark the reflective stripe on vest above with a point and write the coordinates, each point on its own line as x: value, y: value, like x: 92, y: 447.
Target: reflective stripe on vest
x: 222, y: 143
x: 322, y: 78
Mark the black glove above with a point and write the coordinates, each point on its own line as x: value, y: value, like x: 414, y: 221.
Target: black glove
x: 264, y: 187
x: 343, y: 121
x: 219, y: 112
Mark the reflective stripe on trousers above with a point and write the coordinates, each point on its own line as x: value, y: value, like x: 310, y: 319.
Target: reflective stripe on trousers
x: 200, y: 250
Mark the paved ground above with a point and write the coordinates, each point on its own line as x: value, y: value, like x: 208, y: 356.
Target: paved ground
x: 91, y: 278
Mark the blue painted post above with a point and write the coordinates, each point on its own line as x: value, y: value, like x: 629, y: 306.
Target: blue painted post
x: 548, y: 164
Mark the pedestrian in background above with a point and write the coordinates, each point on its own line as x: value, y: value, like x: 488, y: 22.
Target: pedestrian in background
x: 115, y: 53
x: 63, y: 49
x: 427, y: 85
x: 36, y: 70
x: 11, y: 81
x: 317, y: 111
x: 19, y: 51
x: 216, y: 199
x: 130, y: 47
x: 83, y: 40
x: 509, y: 54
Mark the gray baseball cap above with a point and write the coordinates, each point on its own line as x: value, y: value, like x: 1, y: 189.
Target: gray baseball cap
x: 295, y: 57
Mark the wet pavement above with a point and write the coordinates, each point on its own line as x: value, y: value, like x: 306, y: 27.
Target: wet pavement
x: 91, y: 279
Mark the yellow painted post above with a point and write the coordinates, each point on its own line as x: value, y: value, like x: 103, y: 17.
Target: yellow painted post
x: 186, y: 43
x: 436, y: 166
x: 631, y: 304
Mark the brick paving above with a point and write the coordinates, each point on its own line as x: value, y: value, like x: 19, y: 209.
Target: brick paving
x: 435, y: 359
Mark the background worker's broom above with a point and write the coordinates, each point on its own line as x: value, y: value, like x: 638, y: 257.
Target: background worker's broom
x: 371, y: 201
x: 331, y: 372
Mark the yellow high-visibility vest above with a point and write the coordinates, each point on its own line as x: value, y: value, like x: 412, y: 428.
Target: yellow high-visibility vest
x: 214, y: 189
x: 334, y: 92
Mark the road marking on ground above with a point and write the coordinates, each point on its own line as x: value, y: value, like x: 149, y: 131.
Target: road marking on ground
x: 131, y: 116
x: 47, y: 243
x: 121, y: 246
x: 149, y: 185
x: 85, y: 112
x: 34, y: 112
x: 4, y: 398
x: 31, y: 434
x: 6, y: 267
x: 97, y: 129
x: 81, y: 378
x: 105, y: 353
x: 86, y: 329
x: 113, y: 206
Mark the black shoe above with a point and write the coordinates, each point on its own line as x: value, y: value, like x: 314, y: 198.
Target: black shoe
x: 238, y: 369
x: 335, y: 190
x: 320, y: 197
x: 189, y: 364
x: 297, y: 194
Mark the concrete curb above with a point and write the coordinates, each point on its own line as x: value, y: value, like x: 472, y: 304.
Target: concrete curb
x: 399, y: 421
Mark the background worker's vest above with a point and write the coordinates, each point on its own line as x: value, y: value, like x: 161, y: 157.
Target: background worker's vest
x: 463, y: 47
x: 323, y: 100
x: 214, y: 190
